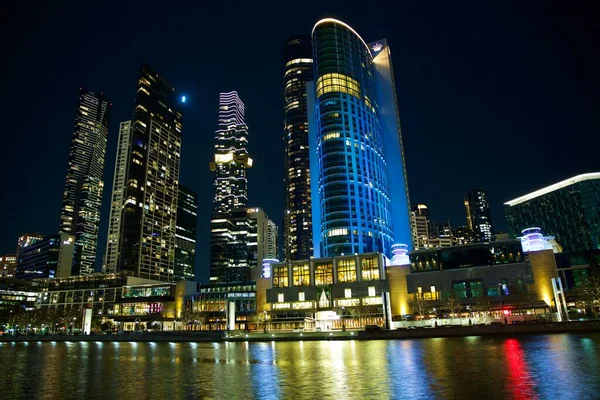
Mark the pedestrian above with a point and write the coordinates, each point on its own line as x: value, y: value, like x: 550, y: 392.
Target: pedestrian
x: 506, y: 320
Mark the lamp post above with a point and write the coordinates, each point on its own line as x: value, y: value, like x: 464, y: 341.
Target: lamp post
x: 343, y: 319
x: 265, y: 321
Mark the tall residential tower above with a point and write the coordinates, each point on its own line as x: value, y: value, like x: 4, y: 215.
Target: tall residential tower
x: 185, y: 234
x: 297, y: 71
x: 230, y: 187
x: 82, y: 198
x: 150, y: 198
x: 479, y: 215
x: 113, y: 242
x: 358, y: 184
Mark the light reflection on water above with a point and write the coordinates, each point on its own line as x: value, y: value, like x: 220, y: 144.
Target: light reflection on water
x: 528, y: 367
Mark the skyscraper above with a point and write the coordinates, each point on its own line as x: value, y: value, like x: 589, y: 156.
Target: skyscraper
x: 48, y: 257
x: 479, y: 215
x: 358, y: 184
x: 297, y: 71
x: 262, y: 241
x: 82, y: 198
x: 185, y: 234
x: 147, y: 246
x: 230, y: 183
x: 568, y: 210
x: 113, y: 242
x: 420, y: 226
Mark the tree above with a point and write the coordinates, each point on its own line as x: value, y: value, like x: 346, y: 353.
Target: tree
x: 483, y: 308
x: 590, y: 292
x: 420, y: 306
x: 453, y: 305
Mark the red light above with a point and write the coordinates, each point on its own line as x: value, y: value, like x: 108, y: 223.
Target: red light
x: 506, y: 312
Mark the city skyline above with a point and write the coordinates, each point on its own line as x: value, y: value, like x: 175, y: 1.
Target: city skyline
x: 500, y: 188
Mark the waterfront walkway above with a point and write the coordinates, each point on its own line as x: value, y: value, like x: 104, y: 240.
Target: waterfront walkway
x: 241, y: 336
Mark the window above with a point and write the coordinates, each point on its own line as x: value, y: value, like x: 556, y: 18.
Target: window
x: 432, y: 288
x: 348, y: 293
x: 372, y: 291
x: 346, y: 270
x: 301, y: 275
x: 280, y: 298
x: 324, y: 274
x: 370, y: 269
x: 336, y: 82
x: 280, y: 276
x: 301, y: 296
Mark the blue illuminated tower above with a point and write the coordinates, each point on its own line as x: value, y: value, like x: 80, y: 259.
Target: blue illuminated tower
x: 358, y: 178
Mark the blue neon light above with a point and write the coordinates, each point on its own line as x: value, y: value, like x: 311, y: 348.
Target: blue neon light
x: 183, y: 99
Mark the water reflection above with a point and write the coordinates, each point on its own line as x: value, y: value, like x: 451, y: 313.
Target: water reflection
x: 473, y: 367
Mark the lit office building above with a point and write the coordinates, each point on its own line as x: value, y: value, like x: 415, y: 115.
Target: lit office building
x: 230, y: 192
x: 111, y: 258
x: 8, y: 266
x: 147, y: 246
x: 461, y: 235
x: 82, y: 197
x: 420, y: 226
x: 356, y: 157
x: 567, y: 210
x: 479, y: 215
x: 298, y: 70
x: 49, y: 257
x: 441, y: 235
x: 185, y: 234
x: 262, y: 241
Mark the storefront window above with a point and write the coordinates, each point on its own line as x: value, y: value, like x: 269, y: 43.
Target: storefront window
x: 280, y: 276
x: 370, y: 269
x: 301, y: 275
x: 324, y: 274
x: 346, y: 270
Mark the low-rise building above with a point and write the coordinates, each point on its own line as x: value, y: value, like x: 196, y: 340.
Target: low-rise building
x: 328, y: 293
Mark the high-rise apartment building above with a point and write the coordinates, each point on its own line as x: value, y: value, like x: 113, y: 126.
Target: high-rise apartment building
x: 230, y: 191
x: 82, y: 197
x: 262, y: 241
x: 297, y: 71
x: 149, y: 215
x: 111, y: 258
x: 479, y: 215
x: 568, y: 210
x: 185, y: 234
x: 441, y: 235
x: 358, y: 183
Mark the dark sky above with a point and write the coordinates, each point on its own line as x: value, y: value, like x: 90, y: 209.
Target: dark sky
x: 503, y: 96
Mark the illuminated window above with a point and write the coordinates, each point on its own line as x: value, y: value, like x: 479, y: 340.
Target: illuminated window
x: 301, y: 296
x: 280, y: 276
x: 370, y: 269
x: 346, y: 270
x: 348, y: 293
x: 432, y: 288
x: 280, y: 298
x: 336, y: 82
x: 301, y: 275
x: 324, y: 274
x: 372, y: 291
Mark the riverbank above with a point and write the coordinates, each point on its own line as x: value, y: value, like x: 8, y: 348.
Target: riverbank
x: 423, y: 333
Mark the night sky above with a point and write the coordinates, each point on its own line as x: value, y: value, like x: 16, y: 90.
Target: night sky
x: 501, y: 96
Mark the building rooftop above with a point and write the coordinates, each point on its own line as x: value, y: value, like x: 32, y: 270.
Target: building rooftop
x: 552, y: 188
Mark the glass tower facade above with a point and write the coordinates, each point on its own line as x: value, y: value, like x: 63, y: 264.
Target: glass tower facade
x: 113, y: 242
x: 479, y: 215
x: 185, y: 234
x: 82, y: 198
x: 355, y: 146
x: 297, y: 71
x: 230, y: 192
x: 150, y: 198
x: 568, y: 210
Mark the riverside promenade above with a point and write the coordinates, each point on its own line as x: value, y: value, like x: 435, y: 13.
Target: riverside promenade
x: 242, y: 336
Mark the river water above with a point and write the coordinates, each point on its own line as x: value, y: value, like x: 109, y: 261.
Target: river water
x: 526, y: 367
